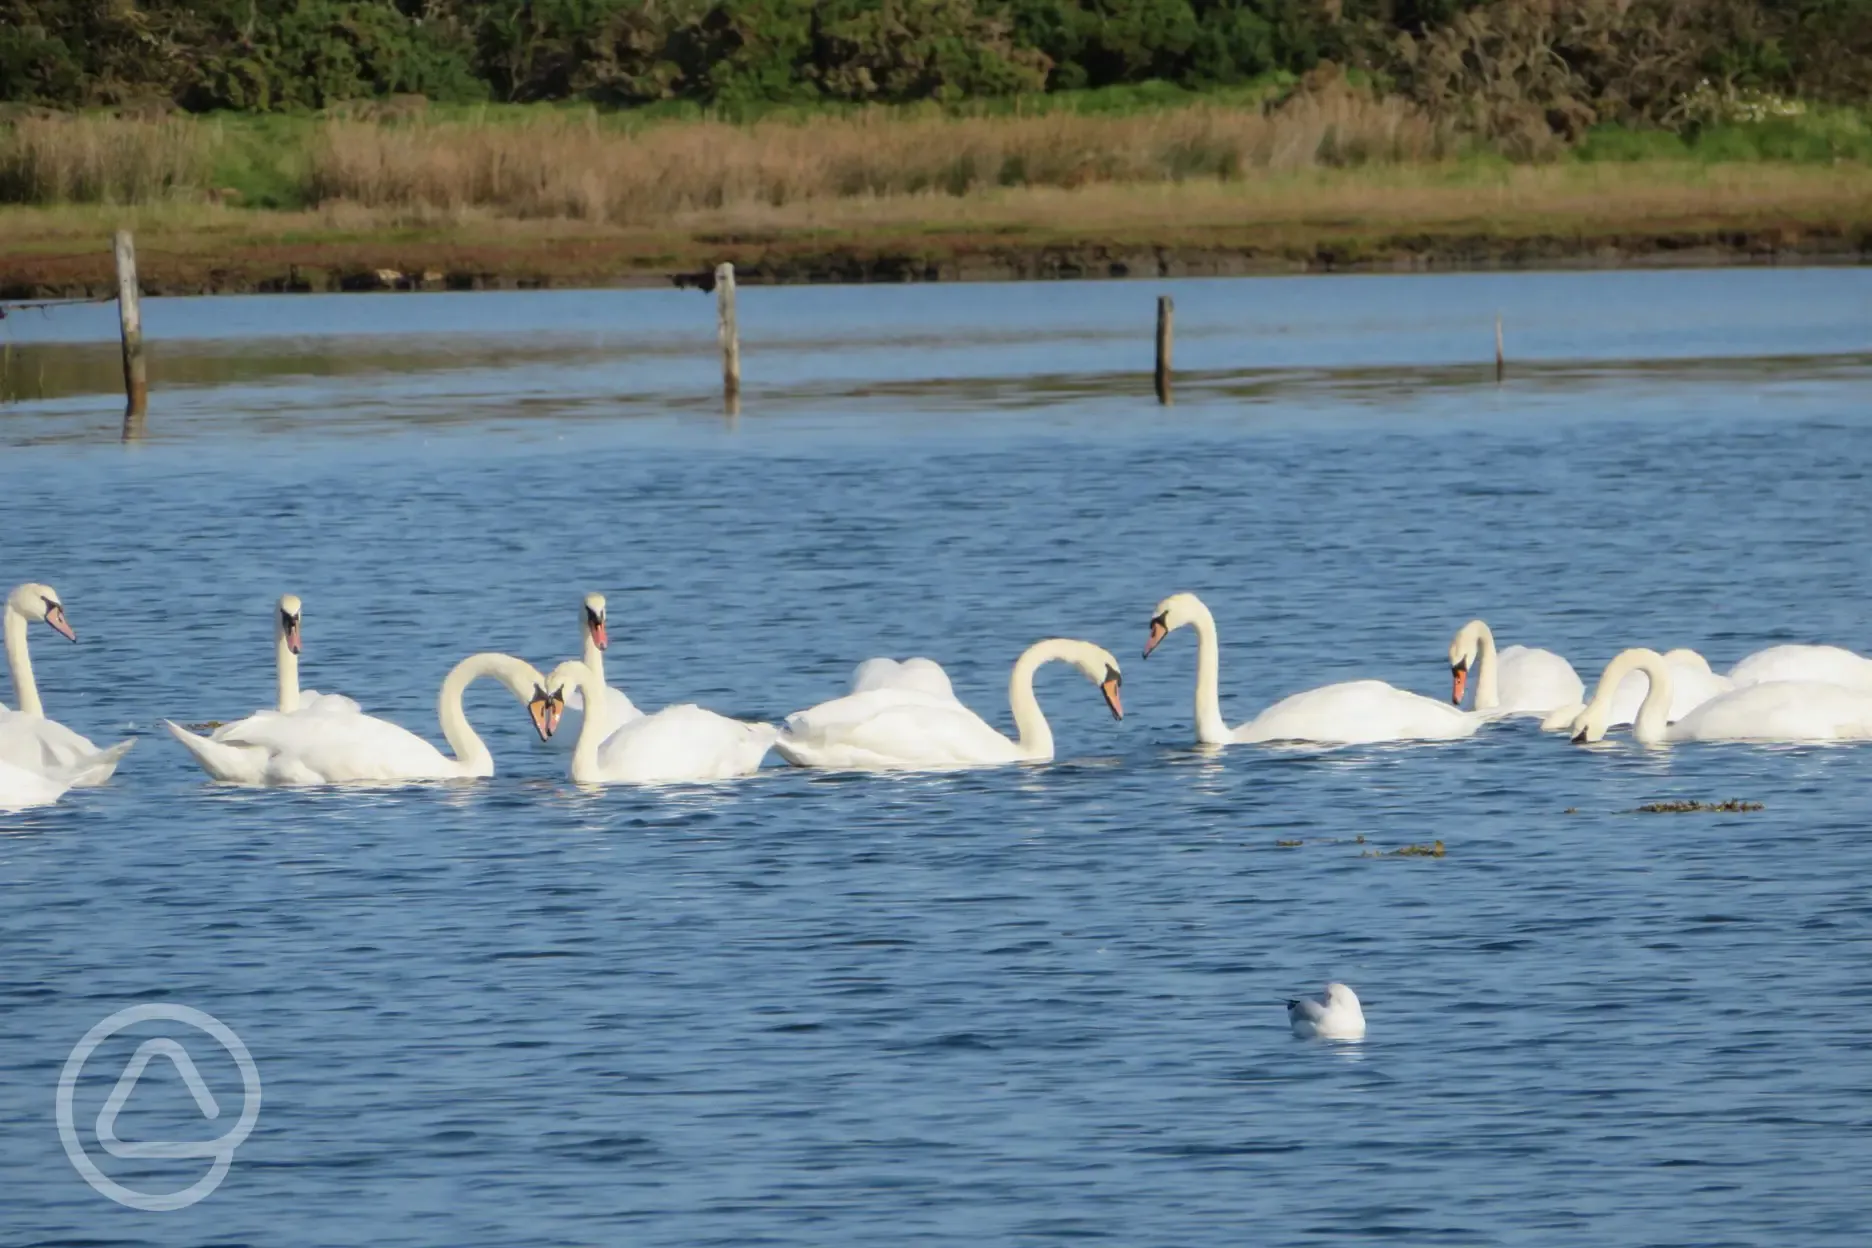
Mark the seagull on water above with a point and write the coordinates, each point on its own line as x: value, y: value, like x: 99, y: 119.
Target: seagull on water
x: 1333, y: 1015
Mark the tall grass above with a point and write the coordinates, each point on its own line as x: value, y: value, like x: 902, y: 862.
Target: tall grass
x: 58, y: 159
x: 576, y: 168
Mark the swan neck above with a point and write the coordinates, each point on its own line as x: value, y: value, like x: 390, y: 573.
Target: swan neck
x: 1035, y: 735
x: 464, y: 742
x: 594, y: 657
x: 591, y: 732
x: 287, y: 665
x: 1653, y: 718
x: 1211, y: 728
x: 20, y: 663
x: 1488, y: 671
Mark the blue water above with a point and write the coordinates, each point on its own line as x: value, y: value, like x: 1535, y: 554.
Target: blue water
x: 1016, y: 1006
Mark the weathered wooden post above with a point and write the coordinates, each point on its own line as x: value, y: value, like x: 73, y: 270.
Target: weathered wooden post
x: 1166, y: 315
x: 130, y: 321
x: 730, y: 335
x: 1501, y: 364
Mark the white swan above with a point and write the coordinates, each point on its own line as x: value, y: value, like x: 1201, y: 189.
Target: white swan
x: 1354, y: 712
x: 897, y: 728
x: 1781, y: 710
x: 1333, y: 1015
x: 29, y: 740
x: 1519, y: 680
x: 619, y: 709
x: 1830, y: 664
x: 321, y: 746
x: 1692, y: 684
x: 674, y: 745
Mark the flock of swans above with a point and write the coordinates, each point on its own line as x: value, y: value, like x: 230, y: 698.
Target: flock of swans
x: 905, y: 716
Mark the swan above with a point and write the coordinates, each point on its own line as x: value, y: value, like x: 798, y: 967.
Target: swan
x: 1780, y: 710
x: 1333, y: 1015
x: 1354, y: 712
x: 317, y: 745
x: 1692, y: 684
x: 619, y: 709
x: 674, y: 745
x: 29, y: 740
x: 897, y: 728
x: 1516, y: 681
x: 1831, y: 664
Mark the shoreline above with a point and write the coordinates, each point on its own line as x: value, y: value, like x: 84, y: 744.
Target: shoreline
x: 316, y: 266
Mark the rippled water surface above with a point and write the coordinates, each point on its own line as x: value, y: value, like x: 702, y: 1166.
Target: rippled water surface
x: 1026, y: 1005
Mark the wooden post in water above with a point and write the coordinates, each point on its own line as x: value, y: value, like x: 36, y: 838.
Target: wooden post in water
x: 730, y: 335
x: 1501, y: 364
x: 130, y: 321
x: 1166, y: 333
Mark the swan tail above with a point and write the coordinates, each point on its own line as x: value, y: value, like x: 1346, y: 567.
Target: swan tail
x: 220, y: 759
x: 95, y: 770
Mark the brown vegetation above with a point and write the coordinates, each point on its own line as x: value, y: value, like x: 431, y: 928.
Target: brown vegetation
x: 581, y: 170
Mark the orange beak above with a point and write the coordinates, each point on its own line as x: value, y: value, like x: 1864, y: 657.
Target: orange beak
x: 545, y: 710
x: 1109, y: 687
x: 598, y: 634
x: 55, y: 616
x: 1459, y: 681
x: 1158, y: 631
x: 292, y: 636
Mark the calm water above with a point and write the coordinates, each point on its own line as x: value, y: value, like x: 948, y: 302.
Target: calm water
x: 1027, y: 1005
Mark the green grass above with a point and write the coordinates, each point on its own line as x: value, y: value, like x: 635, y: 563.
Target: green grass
x: 1821, y: 136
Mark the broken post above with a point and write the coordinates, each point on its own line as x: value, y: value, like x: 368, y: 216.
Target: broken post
x: 1500, y: 361
x: 130, y: 320
x: 729, y: 334
x: 1166, y: 314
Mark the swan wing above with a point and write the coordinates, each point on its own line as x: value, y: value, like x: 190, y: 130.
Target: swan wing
x: 880, y: 730
x: 1826, y: 664
x: 683, y: 743
x: 49, y: 747
x: 328, y: 703
x: 1359, y: 712
x: 1535, y: 682
x: 1781, y: 710
x: 912, y: 675
x: 234, y: 764
x: 21, y: 787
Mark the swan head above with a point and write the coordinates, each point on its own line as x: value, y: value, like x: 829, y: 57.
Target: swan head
x: 1171, y: 614
x: 545, y: 707
x: 1590, y: 725
x: 289, y: 612
x: 41, y: 602
x: 1462, y: 656
x: 594, y: 620
x: 1098, y: 665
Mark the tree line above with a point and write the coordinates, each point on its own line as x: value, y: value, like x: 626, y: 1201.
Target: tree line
x: 1558, y: 63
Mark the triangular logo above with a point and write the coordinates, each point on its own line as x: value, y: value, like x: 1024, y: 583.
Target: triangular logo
x: 126, y: 1084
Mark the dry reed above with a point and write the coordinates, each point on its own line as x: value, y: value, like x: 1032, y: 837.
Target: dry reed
x: 56, y: 159
x: 578, y: 169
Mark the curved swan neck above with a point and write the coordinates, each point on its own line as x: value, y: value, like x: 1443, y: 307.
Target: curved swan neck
x: 1488, y: 669
x: 1036, y: 735
x: 1654, y: 712
x: 20, y: 662
x: 286, y: 663
x: 464, y: 742
x: 1211, y: 728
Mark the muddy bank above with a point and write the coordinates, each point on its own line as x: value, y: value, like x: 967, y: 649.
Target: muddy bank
x: 189, y: 268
